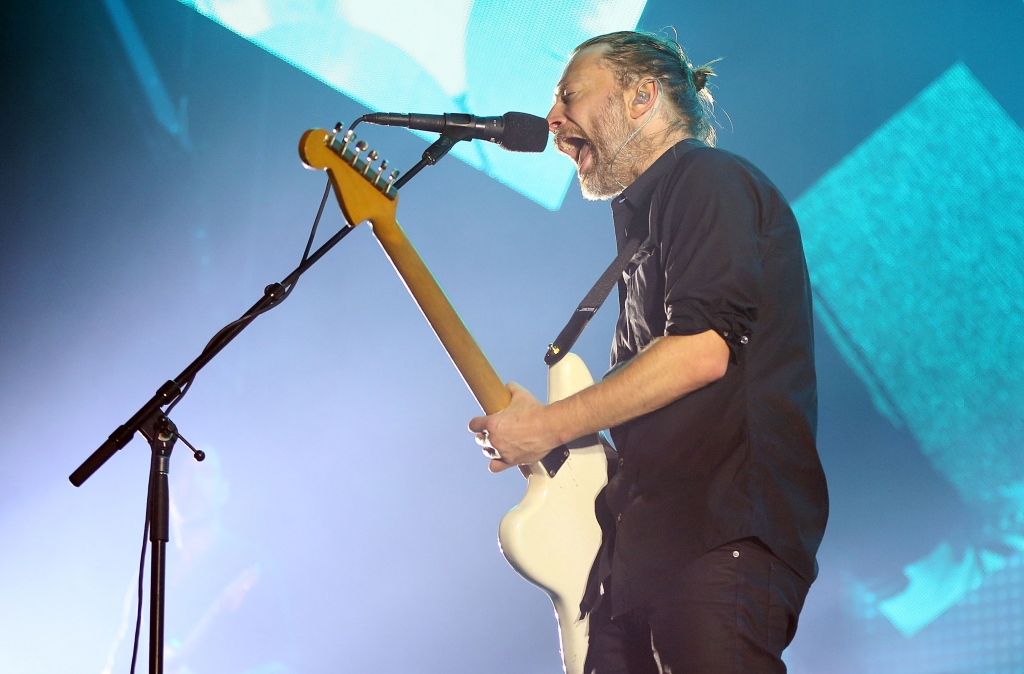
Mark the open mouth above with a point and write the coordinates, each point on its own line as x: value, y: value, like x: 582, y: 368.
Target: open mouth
x: 575, y: 147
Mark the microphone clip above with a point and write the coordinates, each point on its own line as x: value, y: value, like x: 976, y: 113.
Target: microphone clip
x: 440, y: 147
x: 433, y: 154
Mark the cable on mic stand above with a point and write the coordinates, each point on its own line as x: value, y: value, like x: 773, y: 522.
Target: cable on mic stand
x: 152, y: 421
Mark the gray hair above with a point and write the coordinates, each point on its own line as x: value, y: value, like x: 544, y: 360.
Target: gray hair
x: 634, y: 54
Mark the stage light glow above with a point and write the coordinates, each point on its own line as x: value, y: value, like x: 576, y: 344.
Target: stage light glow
x: 915, y: 242
x: 438, y: 56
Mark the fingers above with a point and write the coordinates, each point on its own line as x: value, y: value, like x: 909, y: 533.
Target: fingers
x: 521, y: 397
x: 478, y: 424
x: 481, y: 425
x: 496, y: 466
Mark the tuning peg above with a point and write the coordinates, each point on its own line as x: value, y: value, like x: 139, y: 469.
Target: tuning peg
x: 391, y: 179
x: 349, y: 136
x: 380, y: 170
x: 370, y: 158
x: 334, y: 134
x: 358, y: 150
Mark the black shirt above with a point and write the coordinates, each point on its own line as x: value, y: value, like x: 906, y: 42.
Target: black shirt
x: 721, y: 251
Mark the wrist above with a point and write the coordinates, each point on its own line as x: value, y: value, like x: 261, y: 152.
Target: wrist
x: 556, y: 422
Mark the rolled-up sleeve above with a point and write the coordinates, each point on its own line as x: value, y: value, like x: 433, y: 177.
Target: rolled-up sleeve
x: 710, y: 250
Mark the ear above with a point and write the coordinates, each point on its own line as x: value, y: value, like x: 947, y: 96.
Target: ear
x: 642, y: 98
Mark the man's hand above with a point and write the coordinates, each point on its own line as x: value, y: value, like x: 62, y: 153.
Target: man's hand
x: 668, y: 369
x: 521, y: 433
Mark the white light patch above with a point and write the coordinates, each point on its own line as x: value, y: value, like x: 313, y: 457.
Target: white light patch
x: 246, y: 17
x: 434, y: 33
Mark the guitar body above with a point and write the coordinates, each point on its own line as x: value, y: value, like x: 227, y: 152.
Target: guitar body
x: 552, y: 537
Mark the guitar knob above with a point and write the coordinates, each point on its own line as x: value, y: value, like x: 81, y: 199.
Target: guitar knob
x: 370, y: 158
x: 391, y: 179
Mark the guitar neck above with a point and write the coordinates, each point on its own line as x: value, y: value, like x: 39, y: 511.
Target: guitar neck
x: 363, y: 197
x: 471, y: 362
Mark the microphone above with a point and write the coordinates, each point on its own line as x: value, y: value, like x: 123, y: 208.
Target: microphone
x: 515, y: 131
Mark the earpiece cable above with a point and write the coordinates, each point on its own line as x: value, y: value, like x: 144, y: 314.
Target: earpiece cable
x: 654, y: 113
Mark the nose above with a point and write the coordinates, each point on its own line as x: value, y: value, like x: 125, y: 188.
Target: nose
x: 556, y: 116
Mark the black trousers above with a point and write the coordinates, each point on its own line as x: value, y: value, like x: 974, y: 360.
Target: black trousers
x: 734, y: 609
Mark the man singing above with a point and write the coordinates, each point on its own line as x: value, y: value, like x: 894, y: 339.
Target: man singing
x: 716, y: 501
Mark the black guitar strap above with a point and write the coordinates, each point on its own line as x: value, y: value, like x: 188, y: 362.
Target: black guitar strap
x: 572, y: 330
x: 591, y: 303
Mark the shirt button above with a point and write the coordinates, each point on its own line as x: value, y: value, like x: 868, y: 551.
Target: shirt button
x: 622, y: 462
x: 618, y: 518
x: 735, y: 553
x: 744, y: 339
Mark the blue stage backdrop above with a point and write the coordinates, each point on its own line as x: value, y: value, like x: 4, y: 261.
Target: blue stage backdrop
x: 344, y: 519
x: 451, y: 55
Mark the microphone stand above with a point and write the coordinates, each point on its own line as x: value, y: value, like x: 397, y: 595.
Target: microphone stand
x: 434, y: 153
x: 152, y: 421
x: 162, y: 434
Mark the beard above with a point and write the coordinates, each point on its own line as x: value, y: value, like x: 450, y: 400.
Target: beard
x: 616, y: 163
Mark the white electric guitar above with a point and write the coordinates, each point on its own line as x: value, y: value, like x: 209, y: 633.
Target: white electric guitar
x: 552, y: 537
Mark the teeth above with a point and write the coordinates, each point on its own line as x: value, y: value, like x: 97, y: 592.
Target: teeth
x: 572, y: 146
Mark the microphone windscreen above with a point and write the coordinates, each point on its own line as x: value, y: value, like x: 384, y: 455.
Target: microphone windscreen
x: 524, y: 132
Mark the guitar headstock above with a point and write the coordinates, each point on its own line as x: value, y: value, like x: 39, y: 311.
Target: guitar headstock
x: 364, y: 192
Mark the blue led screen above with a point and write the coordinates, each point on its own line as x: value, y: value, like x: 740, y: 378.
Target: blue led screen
x: 484, y: 57
x: 914, y: 244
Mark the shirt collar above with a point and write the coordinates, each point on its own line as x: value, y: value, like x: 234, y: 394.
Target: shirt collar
x: 638, y: 194
x: 640, y: 190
